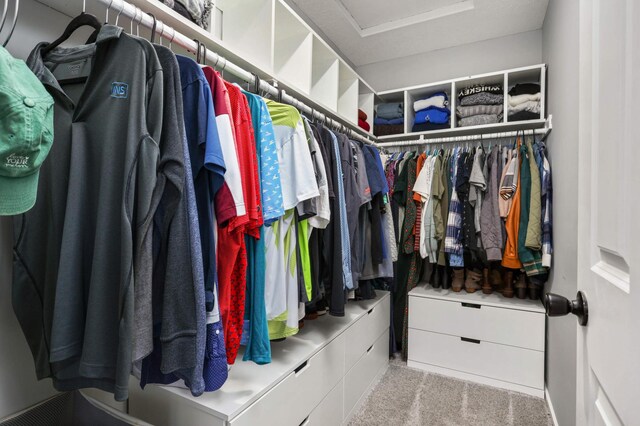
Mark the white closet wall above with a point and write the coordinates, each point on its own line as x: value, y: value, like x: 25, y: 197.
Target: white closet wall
x: 19, y: 388
x: 514, y: 51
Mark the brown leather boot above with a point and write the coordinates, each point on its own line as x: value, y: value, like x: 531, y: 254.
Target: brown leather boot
x: 486, y: 284
x: 472, y: 283
x: 458, y: 279
x: 521, y: 286
x: 507, y: 289
x: 496, y: 279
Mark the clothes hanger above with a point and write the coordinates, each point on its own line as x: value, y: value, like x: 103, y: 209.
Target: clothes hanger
x: 15, y: 21
x: 197, y: 52
x: 84, y: 19
x: 152, y: 38
x: 3, y: 17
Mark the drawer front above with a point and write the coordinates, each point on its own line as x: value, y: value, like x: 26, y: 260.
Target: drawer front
x: 507, y: 363
x: 362, y: 374
x: 361, y: 335
x: 523, y: 329
x: 293, y: 399
x: 331, y: 409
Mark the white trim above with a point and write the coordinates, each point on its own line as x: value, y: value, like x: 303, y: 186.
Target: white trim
x: 547, y: 398
x: 429, y: 15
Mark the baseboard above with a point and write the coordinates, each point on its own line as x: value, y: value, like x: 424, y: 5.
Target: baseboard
x: 547, y: 398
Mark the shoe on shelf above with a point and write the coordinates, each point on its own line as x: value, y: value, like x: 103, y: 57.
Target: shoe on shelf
x: 437, y: 278
x: 496, y: 279
x: 458, y: 280
x: 446, y: 277
x: 507, y: 289
x: 472, y: 283
x: 487, y: 288
x: 521, y: 286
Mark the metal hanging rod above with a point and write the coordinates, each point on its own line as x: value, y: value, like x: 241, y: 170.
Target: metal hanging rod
x: 139, y: 17
x: 452, y: 139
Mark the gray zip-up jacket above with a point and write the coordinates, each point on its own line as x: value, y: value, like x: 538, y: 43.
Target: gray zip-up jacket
x: 73, y: 282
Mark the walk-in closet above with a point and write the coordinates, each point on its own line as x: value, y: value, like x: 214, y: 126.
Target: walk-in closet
x: 296, y: 212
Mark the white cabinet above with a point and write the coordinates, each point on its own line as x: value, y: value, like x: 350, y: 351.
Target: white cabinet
x: 308, y: 381
x: 478, y: 337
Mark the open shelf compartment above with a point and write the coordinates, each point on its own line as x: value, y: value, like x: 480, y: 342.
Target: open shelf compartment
x: 462, y: 85
x: 324, y: 75
x: 527, y: 75
x: 293, y: 49
x: 348, y: 94
x: 248, y: 34
x: 390, y: 97
x: 414, y: 95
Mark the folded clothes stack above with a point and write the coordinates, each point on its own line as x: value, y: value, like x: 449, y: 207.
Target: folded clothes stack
x: 389, y: 119
x: 362, y: 120
x: 432, y: 113
x: 524, y: 102
x: 480, y: 104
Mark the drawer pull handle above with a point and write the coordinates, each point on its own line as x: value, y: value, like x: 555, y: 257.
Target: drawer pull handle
x: 370, y: 310
x: 305, y: 422
x: 301, y: 367
x: 466, y: 339
x: 371, y: 347
x: 470, y: 305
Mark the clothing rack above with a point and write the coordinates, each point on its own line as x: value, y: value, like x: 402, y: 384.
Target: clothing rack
x: 467, y: 138
x: 139, y: 17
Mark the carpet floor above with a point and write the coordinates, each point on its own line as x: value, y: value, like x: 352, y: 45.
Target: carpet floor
x: 408, y: 397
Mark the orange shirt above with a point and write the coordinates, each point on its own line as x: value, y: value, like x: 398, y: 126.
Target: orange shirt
x: 510, y: 257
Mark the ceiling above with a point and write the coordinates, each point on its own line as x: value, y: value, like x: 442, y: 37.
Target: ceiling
x: 368, y: 31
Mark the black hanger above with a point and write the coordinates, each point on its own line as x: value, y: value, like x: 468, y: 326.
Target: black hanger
x: 153, y: 29
x: 84, y: 19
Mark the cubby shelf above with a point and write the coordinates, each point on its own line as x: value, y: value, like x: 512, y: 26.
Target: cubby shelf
x: 507, y: 79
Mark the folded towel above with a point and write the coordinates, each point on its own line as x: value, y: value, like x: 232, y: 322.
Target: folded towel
x: 477, y: 120
x: 531, y: 106
x: 467, y: 111
x: 524, y: 89
x: 518, y: 99
x: 388, y: 129
x: 433, y: 115
x: 423, y: 127
x: 362, y: 115
x: 482, y: 98
x: 390, y: 110
x: 439, y: 100
x: 363, y: 124
x: 524, y: 115
x: 383, y: 121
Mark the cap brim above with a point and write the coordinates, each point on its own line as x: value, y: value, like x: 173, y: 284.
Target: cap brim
x: 18, y: 195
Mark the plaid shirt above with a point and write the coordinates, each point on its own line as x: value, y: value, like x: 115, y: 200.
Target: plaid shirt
x: 546, y: 192
x: 452, y: 242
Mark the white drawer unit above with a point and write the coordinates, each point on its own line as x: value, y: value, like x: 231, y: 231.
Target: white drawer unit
x: 307, y: 382
x: 483, y: 338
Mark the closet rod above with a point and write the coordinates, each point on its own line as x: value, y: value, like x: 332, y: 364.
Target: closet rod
x: 140, y: 17
x: 453, y: 139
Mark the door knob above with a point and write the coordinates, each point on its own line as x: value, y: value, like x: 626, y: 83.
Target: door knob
x: 557, y: 306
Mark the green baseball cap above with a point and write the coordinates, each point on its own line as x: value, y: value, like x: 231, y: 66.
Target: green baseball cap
x: 26, y: 134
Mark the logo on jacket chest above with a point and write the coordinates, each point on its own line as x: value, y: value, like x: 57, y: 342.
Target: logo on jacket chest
x: 119, y: 90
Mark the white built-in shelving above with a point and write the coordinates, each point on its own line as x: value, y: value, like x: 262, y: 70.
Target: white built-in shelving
x: 506, y: 78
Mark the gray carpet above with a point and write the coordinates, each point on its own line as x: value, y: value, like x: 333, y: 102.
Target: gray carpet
x: 408, y: 397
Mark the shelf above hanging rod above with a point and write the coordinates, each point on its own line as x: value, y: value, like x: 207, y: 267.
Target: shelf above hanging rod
x: 478, y: 136
x: 142, y: 18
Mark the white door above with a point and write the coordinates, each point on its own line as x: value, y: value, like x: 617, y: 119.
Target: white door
x: 608, y: 358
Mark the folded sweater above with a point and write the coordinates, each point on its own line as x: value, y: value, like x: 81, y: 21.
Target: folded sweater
x: 383, y: 121
x: 467, y: 111
x: 518, y: 99
x: 433, y: 115
x: 477, y: 120
x: 531, y: 106
x: 363, y: 124
x: 439, y: 100
x: 390, y: 110
x: 362, y: 115
x: 482, y: 98
x: 524, y: 88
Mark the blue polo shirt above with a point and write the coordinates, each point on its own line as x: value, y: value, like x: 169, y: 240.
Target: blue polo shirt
x: 207, y: 163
